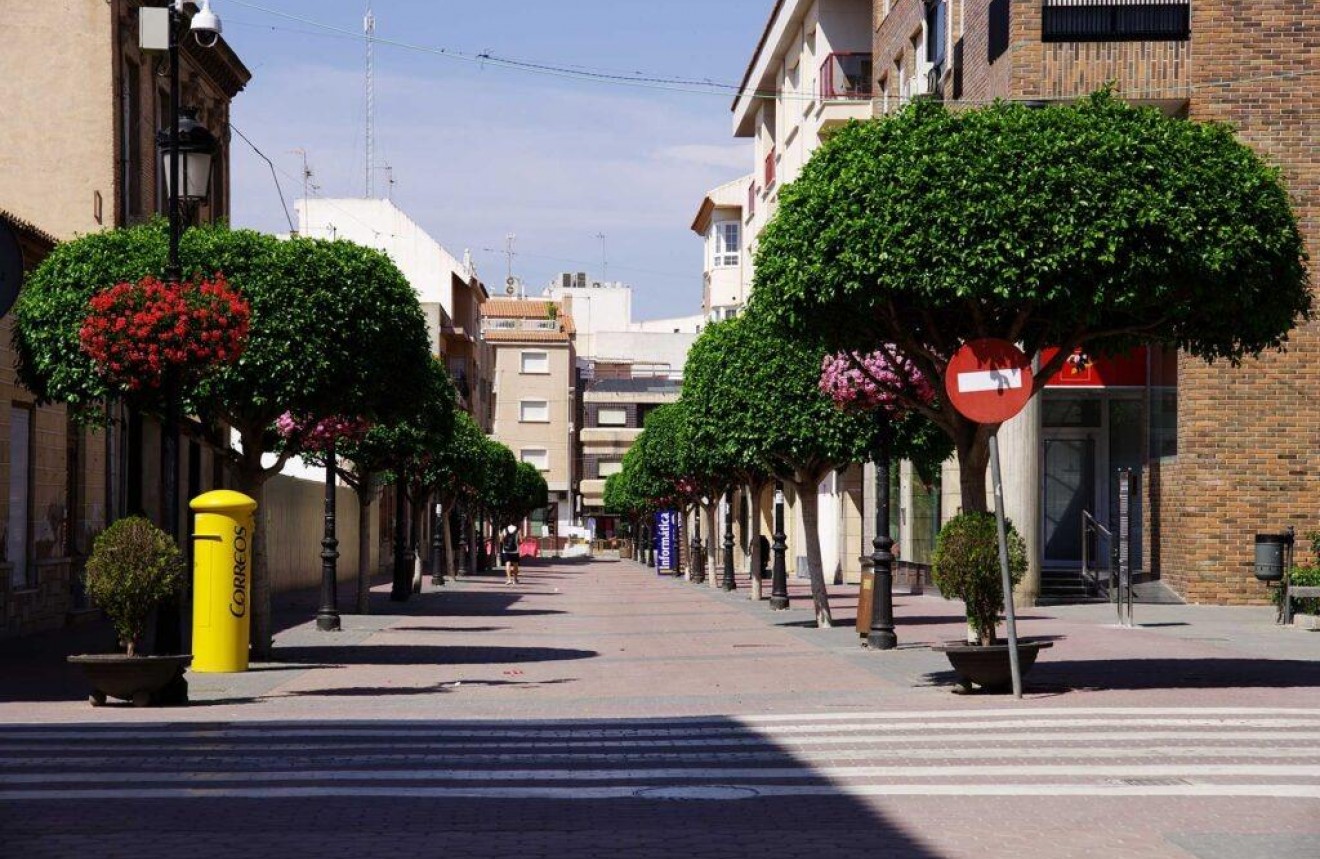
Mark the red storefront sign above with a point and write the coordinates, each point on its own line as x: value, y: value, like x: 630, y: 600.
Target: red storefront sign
x: 1082, y: 370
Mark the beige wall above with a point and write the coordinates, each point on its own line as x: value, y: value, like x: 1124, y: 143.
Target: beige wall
x: 512, y: 386
x: 57, y: 123
x: 295, y: 524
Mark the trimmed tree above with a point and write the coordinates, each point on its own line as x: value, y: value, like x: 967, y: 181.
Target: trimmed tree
x: 784, y: 419
x: 1096, y: 225
x: 335, y: 330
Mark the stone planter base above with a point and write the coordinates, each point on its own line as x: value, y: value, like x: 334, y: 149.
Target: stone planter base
x: 988, y: 668
x: 143, y: 680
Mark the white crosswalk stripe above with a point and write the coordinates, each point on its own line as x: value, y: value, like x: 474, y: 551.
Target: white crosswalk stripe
x: 1075, y: 751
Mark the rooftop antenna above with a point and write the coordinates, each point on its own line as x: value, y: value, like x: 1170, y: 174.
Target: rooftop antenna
x: 369, y: 32
x: 604, y: 260
x: 307, y: 184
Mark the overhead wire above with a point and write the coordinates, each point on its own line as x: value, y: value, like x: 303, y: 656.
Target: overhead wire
x: 678, y: 83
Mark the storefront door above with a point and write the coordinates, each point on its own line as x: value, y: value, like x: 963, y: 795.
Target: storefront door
x: 1070, y: 487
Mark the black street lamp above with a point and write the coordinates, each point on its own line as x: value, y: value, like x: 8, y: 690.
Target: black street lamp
x: 881, y: 635
x: 728, y: 583
x: 437, y: 548
x: 186, y: 149
x: 327, y: 617
x: 698, y: 565
x: 779, y: 571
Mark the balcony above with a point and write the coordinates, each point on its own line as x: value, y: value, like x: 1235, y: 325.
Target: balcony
x: 1116, y: 21
x: 846, y: 76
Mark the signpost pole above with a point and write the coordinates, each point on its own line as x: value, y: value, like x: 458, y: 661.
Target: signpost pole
x: 1010, y: 615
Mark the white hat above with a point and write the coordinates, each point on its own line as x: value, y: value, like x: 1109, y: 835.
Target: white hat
x: 512, y: 529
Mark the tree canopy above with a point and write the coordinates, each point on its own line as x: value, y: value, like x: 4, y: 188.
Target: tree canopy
x: 335, y: 329
x: 1096, y: 224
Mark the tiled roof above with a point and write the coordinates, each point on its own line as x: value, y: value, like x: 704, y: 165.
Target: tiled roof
x: 28, y: 227
x: 530, y: 335
x: 516, y: 308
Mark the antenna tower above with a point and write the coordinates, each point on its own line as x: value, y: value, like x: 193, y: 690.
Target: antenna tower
x: 604, y: 260
x: 369, y: 31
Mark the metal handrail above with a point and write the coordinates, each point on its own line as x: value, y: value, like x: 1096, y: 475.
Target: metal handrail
x: 1089, y: 525
x: 1119, y: 587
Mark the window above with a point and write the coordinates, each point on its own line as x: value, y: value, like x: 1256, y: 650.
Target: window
x: 1115, y: 21
x: 537, y: 456
x: 608, y: 468
x: 751, y: 199
x: 536, y: 362
x: 534, y: 411
x: 612, y: 417
x: 132, y: 143
x: 18, y: 535
x: 997, y: 30
x: 937, y: 25
x: 728, y: 238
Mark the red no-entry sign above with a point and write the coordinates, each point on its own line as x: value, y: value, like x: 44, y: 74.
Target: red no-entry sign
x: 988, y: 381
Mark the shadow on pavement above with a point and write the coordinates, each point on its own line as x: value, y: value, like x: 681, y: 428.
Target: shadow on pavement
x: 434, y: 688
x: 1050, y: 675
x: 564, y: 788
x: 424, y: 654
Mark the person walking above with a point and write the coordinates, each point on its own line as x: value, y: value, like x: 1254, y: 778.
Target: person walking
x: 509, y: 554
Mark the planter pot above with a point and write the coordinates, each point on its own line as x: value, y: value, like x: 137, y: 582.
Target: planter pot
x: 988, y: 667
x: 144, y: 680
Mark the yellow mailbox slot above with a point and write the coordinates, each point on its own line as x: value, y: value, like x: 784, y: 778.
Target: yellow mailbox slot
x: 222, y: 581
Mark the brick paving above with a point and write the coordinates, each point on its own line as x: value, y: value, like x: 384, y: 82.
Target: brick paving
x: 570, y: 715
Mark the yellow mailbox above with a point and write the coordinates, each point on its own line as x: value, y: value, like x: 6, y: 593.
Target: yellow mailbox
x: 222, y: 581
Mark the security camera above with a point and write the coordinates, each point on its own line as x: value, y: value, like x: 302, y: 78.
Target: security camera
x: 206, y: 26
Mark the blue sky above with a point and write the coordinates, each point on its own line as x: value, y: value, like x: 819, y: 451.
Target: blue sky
x: 479, y: 151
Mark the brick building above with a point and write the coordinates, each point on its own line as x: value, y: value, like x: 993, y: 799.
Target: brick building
x: 77, y: 154
x: 1218, y: 453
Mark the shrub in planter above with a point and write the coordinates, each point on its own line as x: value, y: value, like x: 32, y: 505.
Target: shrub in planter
x: 965, y: 566
x: 1300, y: 577
x: 134, y: 566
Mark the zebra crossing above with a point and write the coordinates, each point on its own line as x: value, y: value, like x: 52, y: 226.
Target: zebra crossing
x: 1100, y: 752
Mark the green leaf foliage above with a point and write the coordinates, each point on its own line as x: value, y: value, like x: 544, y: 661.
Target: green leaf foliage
x: 134, y: 566
x: 336, y: 329
x: 1096, y: 223
x: 965, y: 566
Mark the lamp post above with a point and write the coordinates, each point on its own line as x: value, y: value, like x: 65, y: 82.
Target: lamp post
x: 698, y: 575
x: 881, y: 635
x: 327, y: 617
x: 779, y: 572
x: 728, y: 583
x: 186, y: 149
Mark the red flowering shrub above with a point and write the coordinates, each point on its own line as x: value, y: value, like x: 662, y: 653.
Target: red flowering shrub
x: 152, y: 337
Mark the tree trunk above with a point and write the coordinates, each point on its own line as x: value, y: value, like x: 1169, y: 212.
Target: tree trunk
x: 252, y: 482
x: 365, y: 496
x: 713, y: 574
x: 973, y: 446
x: 448, y: 537
x: 754, y: 514
x: 807, y: 486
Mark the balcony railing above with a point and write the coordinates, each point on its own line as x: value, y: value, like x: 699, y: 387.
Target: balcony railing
x: 1116, y: 20
x: 846, y: 75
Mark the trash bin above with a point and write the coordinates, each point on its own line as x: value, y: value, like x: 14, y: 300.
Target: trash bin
x: 1270, y: 552
x: 865, y: 600
x: 222, y: 581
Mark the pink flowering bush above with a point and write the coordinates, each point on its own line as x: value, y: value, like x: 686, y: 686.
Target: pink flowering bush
x: 850, y: 388
x: 317, y: 436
